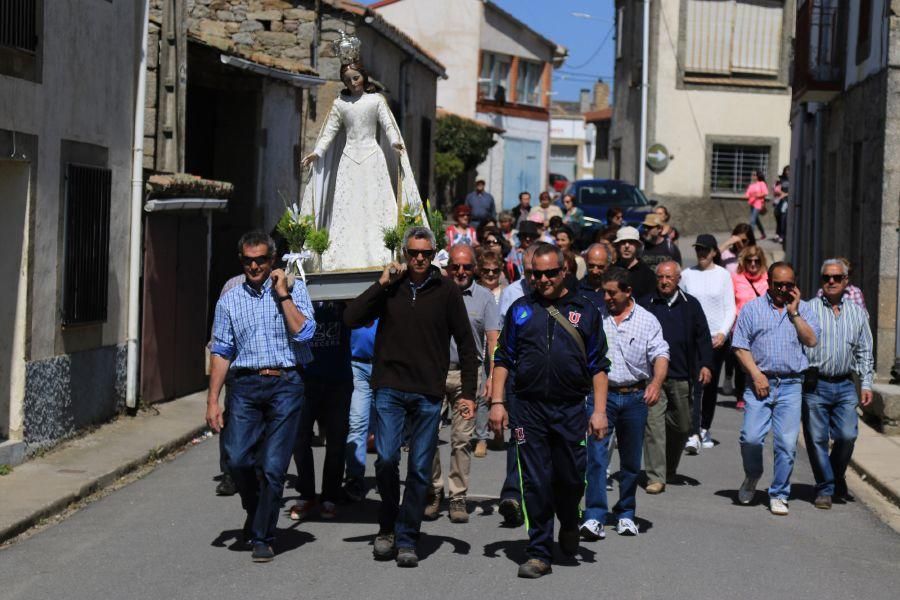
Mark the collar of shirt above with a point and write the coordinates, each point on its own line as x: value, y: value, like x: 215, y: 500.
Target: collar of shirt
x: 266, y: 286
x: 671, y: 300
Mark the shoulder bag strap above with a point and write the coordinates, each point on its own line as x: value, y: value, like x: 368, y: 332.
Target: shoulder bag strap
x: 752, y: 287
x: 570, y: 329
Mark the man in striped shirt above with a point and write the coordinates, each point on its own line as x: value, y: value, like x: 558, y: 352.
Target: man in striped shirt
x: 768, y: 342
x: 829, y: 396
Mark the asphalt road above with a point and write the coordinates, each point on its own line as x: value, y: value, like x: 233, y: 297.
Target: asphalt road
x: 168, y: 536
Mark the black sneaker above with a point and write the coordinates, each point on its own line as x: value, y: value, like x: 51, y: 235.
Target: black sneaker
x: 384, y: 546
x: 534, y: 569
x: 568, y: 541
x: 262, y: 552
x: 354, y: 491
x: 511, y: 512
x: 407, y: 558
x: 226, y: 486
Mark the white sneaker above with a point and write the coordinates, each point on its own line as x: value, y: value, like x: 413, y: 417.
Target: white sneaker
x: 692, y: 447
x: 778, y: 506
x: 626, y: 527
x: 748, y: 490
x: 592, y: 530
x: 705, y: 440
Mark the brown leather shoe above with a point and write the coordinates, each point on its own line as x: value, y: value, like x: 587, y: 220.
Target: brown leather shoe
x: 480, y: 449
x: 657, y: 487
x: 823, y: 502
x: 534, y: 569
x: 433, y: 506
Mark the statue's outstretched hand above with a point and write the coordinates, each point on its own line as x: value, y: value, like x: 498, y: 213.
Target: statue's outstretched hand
x: 309, y: 159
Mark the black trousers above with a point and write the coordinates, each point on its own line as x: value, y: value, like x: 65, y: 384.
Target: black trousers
x: 552, y: 458
x: 706, y: 397
x: 327, y: 402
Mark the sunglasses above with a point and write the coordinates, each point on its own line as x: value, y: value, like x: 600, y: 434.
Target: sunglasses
x: 549, y: 273
x: 834, y: 278
x: 491, y: 242
x: 412, y: 253
x: 754, y: 261
x: 458, y: 266
x: 490, y: 271
x: 783, y: 285
x: 593, y: 267
x: 259, y: 260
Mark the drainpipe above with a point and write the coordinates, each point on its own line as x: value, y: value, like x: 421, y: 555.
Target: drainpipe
x: 816, y: 217
x: 137, y: 200
x: 645, y: 85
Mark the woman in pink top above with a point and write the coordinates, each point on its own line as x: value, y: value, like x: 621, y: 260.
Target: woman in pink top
x: 756, y: 195
x: 750, y: 282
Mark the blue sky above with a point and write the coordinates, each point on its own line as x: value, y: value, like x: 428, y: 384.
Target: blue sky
x: 582, y: 36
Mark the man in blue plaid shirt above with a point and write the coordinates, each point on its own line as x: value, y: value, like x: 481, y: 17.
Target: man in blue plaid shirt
x: 260, y: 344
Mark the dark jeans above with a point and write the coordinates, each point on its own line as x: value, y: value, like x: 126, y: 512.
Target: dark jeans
x: 329, y: 404
x: 829, y: 413
x: 392, y: 407
x: 549, y: 439
x: 706, y: 396
x: 626, y: 415
x: 263, y: 415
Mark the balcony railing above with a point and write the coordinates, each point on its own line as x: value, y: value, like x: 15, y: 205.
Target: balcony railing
x: 820, y: 50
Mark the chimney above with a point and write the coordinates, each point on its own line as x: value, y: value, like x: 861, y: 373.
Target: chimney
x: 601, y: 95
x: 585, y: 98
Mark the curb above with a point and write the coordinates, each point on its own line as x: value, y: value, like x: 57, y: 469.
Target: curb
x: 96, y: 484
x: 871, y: 479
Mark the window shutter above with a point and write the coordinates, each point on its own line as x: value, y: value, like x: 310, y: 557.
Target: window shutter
x: 709, y: 36
x: 757, y: 36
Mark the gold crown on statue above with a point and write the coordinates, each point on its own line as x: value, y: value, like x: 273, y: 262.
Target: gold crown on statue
x: 346, y: 48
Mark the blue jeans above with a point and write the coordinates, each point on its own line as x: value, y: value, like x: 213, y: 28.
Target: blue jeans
x: 780, y: 410
x: 392, y: 410
x: 263, y: 417
x: 830, y: 413
x: 358, y: 432
x: 755, y: 221
x: 626, y: 415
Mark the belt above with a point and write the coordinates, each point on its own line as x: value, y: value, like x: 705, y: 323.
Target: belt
x: 627, y: 389
x: 453, y: 366
x: 367, y: 361
x: 265, y: 372
x: 783, y: 375
x: 834, y: 378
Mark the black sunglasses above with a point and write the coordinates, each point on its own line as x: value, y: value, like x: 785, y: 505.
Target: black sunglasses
x: 412, y: 253
x: 457, y: 266
x: 490, y: 271
x: 491, y: 242
x: 259, y: 260
x: 550, y: 273
x: 783, y: 285
x: 830, y: 278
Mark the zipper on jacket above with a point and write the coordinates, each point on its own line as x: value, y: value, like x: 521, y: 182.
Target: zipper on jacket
x: 552, y: 325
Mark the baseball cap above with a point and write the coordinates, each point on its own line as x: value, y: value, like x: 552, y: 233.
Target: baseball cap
x: 628, y: 234
x: 705, y: 240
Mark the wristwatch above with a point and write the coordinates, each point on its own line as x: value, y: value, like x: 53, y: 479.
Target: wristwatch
x: 283, y: 298
x: 793, y: 315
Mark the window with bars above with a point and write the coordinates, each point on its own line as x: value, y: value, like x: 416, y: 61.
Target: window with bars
x: 18, y: 25
x: 732, y: 166
x: 87, y: 203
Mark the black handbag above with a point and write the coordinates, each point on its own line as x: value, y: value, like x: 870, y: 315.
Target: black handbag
x: 810, y: 380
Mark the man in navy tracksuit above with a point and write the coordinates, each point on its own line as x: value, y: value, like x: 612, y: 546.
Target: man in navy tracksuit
x: 553, y: 345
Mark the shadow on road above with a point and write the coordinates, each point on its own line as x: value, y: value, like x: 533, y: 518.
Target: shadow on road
x: 285, y: 540
x: 428, y: 544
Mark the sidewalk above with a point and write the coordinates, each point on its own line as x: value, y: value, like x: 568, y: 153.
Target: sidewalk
x: 44, y: 486
x: 876, y: 457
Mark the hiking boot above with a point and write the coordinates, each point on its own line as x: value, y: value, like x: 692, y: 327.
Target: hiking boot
x: 458, y: 511
x: 511, y: 512
x: 226, y: 486
x: 568, y: 541
x: 534, y: 569
x: 384, y: 546
x: 433, y: 505
x: 407, y: 558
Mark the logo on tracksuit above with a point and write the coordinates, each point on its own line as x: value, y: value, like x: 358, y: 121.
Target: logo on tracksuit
x: 574, y: 317
x: 519, y: 434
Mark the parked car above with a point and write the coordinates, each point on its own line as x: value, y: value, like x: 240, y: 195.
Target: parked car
x: 596, y: 196
x: 558, y: 182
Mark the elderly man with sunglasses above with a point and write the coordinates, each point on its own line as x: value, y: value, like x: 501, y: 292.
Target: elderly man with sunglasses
x: 260, y: 342
x: 419, y: 311
x: 484, y: 318
x: 769, y: 340
x: 829, y: 393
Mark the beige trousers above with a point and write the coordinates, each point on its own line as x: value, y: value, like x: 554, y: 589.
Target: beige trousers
x: 460, y: 452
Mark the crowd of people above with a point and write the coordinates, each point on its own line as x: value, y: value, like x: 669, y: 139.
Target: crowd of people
x: 529, y: 343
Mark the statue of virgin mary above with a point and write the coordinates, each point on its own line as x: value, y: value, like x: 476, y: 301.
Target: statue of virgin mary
x: 350, y: 192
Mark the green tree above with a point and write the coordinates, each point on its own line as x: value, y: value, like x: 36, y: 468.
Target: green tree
x: 460, y: 145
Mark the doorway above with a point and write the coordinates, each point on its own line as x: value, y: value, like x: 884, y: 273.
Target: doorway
x: 14, y: 178
x: 521, y: 170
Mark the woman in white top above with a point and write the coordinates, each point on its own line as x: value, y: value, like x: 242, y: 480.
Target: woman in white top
x: 711, y: 285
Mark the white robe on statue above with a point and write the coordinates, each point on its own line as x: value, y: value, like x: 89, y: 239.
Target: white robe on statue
x: 355, y: 200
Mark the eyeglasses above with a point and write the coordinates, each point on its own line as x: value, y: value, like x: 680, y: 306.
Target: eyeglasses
x: 259, y: 260
x: 490, y: 271
x: 413, y: 253
x: 834, y: 278
x: 783, y: 285
x: 549, y: 273
x: 491, y: 242
x: 458, y: 266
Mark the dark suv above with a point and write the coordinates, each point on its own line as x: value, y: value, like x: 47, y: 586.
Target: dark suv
x: 596, y: 196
